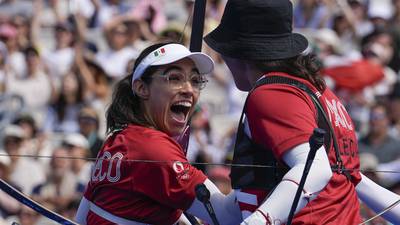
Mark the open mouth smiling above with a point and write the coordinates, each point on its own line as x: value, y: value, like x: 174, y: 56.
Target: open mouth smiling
x: 180, y: 110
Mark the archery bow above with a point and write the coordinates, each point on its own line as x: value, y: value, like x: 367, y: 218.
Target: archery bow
x: 19, y: 196
x: 196, y: 40
x: 382, y: 212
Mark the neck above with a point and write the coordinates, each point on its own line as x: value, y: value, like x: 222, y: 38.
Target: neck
x: 70, y: 99
x: 253, y: 73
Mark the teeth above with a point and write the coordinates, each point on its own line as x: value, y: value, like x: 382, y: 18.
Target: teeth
x: 186, y: 104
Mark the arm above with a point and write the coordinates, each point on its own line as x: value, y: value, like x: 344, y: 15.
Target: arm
x: 82, y: 211
x: 35, y: 22
x: 276, y: 208
x: 55, y: 7
x: 178, y: 181
x: 378, y: 198
x: 225, y: 206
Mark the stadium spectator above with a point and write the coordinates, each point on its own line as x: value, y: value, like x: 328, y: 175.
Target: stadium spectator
x: 378, y: 141
x: 62, y: 115
x: 15, y: 59
x: 21, y: 169
x: 78, y: 148
x: 34, y: 87
x: 61, y: 185
x: 89, y: 127
x: 115, y: 60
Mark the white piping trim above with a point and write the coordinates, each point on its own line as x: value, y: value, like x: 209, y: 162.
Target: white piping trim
x: 110, y: 217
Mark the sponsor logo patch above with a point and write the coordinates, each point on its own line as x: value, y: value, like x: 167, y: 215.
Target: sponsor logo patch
x: 181, y: 170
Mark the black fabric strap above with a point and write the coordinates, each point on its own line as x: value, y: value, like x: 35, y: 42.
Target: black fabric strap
x: 273, y: 79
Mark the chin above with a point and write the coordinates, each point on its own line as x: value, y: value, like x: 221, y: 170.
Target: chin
x: 175, y: 131
x: 243, y: 87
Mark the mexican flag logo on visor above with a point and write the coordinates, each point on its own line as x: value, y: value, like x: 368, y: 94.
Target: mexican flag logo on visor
x: 159, y: 52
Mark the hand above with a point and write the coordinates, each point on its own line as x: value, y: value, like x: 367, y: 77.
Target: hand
x: 257, y: 218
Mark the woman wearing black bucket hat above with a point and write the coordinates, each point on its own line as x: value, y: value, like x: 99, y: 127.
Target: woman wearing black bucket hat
x: 287, y: 100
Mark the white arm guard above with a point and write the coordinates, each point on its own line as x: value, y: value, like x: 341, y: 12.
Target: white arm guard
x: 225, y: 207
x: 378, y: 198
x: 278, y: 204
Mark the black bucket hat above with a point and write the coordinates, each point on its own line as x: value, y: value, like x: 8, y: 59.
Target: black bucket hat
x: 257, y: 30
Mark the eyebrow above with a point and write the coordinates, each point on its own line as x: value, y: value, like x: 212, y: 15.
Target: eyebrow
x: 179, y: 68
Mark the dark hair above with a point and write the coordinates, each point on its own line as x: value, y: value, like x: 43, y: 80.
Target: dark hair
x: 61, y: 104
x: 28, y: 119
x: 303, y: 66
x: 30, y: 49
x: 125, y: 107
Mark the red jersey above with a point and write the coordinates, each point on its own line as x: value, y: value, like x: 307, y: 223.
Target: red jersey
x: 153, y: 191
x: 281, y: 117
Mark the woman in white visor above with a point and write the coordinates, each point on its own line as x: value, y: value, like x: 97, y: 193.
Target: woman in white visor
x: 142, y: 175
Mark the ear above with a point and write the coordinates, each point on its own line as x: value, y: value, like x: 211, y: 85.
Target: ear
x: 141, y: 89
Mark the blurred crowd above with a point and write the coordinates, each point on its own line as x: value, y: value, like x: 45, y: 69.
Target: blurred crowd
x: 60, y: 58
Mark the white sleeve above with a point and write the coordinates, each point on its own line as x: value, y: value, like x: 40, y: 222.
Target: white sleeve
x: 278, y: 204
x: 378, y: 198
x: 82, y: 212
x: 225, y: 207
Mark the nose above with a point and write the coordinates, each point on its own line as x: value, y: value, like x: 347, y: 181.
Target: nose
x: 187, y: 87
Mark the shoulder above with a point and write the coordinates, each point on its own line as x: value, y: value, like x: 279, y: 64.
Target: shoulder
x: 147, y: 136
x: 281, y: 97
x: 278, y: 89
x: 145, y: 143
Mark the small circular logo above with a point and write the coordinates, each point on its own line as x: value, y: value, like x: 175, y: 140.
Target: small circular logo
x: 178, y: 167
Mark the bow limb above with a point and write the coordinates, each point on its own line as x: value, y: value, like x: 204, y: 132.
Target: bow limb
x: 196, y: 38
x: 19, y: 196
x: 196, y: 41
x: 382, y: 212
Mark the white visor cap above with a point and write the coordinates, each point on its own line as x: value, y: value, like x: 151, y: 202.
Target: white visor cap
x: 171, y: 53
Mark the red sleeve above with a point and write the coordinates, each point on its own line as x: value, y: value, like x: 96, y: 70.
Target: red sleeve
x: 280, y: 117
x: 172, y: 180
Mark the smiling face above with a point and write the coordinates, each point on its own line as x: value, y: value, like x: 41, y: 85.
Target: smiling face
x: 168, y: 108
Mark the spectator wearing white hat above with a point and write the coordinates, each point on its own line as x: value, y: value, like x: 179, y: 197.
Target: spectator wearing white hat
x: 380, y: 12
x: 24, y: 172
x: 36, y: 143
x: 78, y: 147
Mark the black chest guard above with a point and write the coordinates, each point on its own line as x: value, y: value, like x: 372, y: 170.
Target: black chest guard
x: 254, y: 166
